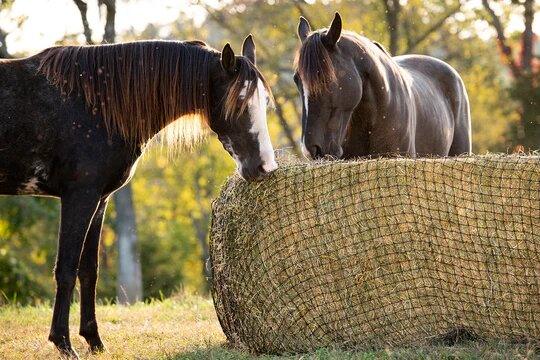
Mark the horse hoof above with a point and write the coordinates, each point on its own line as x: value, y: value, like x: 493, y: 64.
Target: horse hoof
x: 97, y: 347
x: 64, y: 347
x: 94, y: 341
x: 68, y: 353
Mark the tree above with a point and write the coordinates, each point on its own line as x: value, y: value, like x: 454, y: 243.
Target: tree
x: 3, y: 46
x: 129, y: 285
x: 4, y: 53
x: 526, y: 77
x: 393, y: 11
x: 404, y: 24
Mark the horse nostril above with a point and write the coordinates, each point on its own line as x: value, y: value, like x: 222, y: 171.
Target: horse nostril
x: 315, y: 151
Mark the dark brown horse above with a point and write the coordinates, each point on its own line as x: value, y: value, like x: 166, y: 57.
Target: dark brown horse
x: 359, y: 101
x: 74, y: 121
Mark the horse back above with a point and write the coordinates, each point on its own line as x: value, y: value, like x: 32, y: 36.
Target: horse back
x: 442, y: 108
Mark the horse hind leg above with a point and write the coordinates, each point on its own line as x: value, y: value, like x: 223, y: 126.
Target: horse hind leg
x: 461, y: 144
x: 88, y: 273
x: 78, y: 208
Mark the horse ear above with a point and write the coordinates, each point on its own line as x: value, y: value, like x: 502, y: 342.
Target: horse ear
x: 248, y: 49
x: 228, y: 60
x: 303, y: 29
x: 333, y: 34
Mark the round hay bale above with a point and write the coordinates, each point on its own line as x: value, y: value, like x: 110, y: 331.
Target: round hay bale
x: 379, y: 253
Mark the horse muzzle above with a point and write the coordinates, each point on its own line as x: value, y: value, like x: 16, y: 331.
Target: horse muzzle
x: 316, y: 151
x: 258, y: 172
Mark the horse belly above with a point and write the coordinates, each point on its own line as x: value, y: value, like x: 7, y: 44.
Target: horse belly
x: 20, y: 170
x: 24, y: 149
x: 28, y: 124
x: 20, y: 178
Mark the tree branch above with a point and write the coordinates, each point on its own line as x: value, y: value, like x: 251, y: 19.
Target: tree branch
x: 83, y: 9
x: 434, y: 27
x: 501, y: 38
x: 298, y: 4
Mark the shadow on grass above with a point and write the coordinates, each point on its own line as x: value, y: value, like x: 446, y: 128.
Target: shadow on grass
x: 466, y: 350
x: 227, y: 353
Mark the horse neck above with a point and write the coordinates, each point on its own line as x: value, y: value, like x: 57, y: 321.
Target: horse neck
x: 181, y: 129
x: 387, y: 82
x: 386, y: 102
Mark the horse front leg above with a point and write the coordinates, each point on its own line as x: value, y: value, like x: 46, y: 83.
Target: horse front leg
x: 88, y: 274
x: 78, y: 208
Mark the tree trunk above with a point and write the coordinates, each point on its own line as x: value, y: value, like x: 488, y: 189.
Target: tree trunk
x: 528, y: 36
x: 129, y: 286
x: 393, y: 10
x: 525, y: 87
x: 129, y: 283
x: 506, y: 50
x: 3, y: 46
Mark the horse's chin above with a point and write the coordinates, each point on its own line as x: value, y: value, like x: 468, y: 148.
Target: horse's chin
x: 335, y: 154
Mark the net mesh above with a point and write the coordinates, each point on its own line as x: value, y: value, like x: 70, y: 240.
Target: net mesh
x: 379, y: 253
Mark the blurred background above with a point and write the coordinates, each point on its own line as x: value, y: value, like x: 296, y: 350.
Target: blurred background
x: 163, y: 215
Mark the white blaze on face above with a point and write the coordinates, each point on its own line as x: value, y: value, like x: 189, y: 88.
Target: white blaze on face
x: 259, y: 127
x: 306, y: 97
x: 305, y: 152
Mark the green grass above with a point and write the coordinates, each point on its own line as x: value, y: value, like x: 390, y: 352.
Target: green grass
x: 187, y: 328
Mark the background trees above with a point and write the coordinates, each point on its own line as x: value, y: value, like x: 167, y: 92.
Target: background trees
x: 518, y: 54
x: 492, y: 45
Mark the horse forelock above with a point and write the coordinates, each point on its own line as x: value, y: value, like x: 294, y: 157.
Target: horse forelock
x: 138, y: 88
x: 243, y: 87
x: 314, y: 65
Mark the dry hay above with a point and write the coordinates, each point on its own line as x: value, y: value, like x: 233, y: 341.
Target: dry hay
x: 379, y: 253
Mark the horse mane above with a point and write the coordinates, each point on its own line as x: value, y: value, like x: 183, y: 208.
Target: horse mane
x: 143, y: 87
x: 313, y: 62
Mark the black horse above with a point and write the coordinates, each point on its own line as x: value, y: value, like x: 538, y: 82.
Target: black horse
x: 74, y: 121
x: 360, y: 101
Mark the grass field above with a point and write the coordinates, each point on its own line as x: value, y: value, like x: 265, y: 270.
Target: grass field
x: 187, y: 328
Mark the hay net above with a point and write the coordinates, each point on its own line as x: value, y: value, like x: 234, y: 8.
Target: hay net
x: 379, y: 253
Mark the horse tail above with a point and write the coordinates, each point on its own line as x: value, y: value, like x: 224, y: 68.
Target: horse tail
x: 462, y: 141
